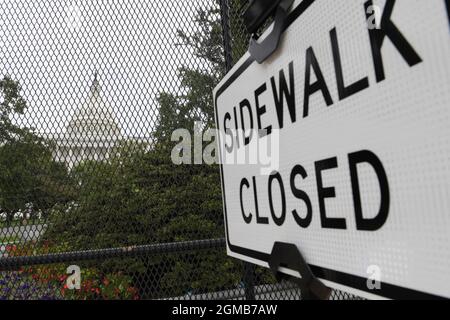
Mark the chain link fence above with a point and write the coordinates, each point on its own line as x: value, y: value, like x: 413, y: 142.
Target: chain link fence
x: 90, y: 94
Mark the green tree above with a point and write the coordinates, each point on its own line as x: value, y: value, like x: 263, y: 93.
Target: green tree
x: 139, y: 196
x: 11, y: 103
x: 190, y: 195
x: 28, y: 173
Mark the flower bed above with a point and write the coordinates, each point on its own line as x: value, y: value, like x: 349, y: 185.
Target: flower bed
x: 50, y: 282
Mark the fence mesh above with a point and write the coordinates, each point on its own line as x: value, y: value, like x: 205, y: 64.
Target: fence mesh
x: 90, y: 94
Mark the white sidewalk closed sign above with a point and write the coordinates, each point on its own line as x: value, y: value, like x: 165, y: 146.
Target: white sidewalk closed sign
x: 354, y: 112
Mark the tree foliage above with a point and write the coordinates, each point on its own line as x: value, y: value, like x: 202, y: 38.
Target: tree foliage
x: 11, y: 103
x: 28, y: 173
x: 139, y: 196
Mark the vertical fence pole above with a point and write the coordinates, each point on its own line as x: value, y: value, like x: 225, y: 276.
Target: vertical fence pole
x: 226, y: 33
x: 249, y: 281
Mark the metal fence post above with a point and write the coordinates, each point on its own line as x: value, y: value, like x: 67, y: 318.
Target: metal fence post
x: 249, y: 281
x: 226, y: 33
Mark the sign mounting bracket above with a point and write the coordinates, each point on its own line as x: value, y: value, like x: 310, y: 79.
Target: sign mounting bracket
x: 287, y: 255
x: 254, y: 15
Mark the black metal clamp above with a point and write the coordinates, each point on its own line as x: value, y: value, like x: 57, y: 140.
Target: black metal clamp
x: 287, y: 255
x: 255, y: 13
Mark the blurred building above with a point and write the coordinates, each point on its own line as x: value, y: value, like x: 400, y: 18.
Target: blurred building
x: 91, y: 133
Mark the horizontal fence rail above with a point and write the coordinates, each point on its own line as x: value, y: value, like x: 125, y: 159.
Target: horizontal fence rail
x: 109, y: 253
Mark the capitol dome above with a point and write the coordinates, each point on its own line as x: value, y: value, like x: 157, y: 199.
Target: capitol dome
x: 91, y: 133
x: 94, y: 119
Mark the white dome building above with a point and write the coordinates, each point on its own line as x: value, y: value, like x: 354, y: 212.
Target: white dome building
x: 91, y: 133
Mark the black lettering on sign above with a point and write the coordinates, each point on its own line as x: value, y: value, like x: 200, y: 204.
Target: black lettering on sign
x: 278, y: 220
x: 284, y: 93
x: 389, y: 29
x: 343, y: 90
x: 259, y: 220
x: 447, y: 4
x: 236, y: 127
x: 247, y: 219
x: 319, y: 85
x: 228, y: 132
x: 246, y: 104
x: 300, y: 194
x: 329, y: 192
x: 260, y: 110
x: 304, y: 221
x: 369, y: 157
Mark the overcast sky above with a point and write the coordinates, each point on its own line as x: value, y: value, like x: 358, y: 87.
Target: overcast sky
x: 54, y: 47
